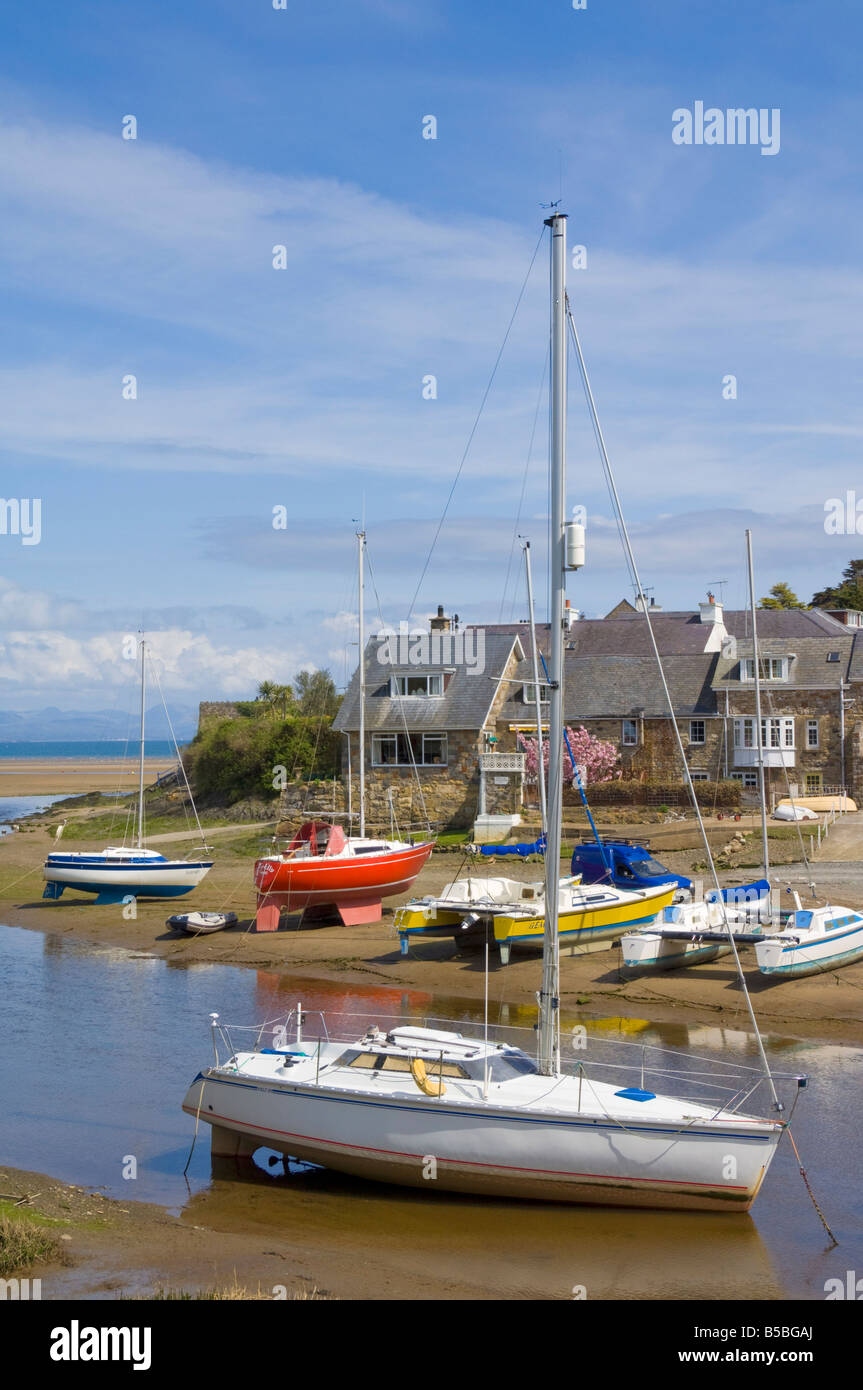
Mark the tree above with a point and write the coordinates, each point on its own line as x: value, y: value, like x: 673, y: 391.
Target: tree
x: 277, y: 698
x: 848, y: 593
x: 316, y: 693
x: 782, y: 596
x: 596, y: 756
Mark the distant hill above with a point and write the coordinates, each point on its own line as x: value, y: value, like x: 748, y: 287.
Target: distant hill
x: 50, y: 723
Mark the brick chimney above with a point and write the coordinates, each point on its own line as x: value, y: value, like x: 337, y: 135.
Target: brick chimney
x: 441, y: 623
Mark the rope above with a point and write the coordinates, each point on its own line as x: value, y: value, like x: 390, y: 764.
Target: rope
x: 195, y: 1135
x: 630, y: 557
x: 809, y: 1190
x: 475, y: 425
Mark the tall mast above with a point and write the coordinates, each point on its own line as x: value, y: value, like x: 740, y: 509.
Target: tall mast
x: 760, y: 743
x: 540, y: 761
x: 361, y: 541
x: 141, y: 772
x: 548, y: 1058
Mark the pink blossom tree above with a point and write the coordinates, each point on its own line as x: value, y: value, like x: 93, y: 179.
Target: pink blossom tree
x: 597, y: 757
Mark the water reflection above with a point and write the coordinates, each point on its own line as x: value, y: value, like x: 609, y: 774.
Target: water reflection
x: 100, y: 1046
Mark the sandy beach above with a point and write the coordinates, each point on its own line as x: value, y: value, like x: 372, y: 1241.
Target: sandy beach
x: 72, y: 776
x: 825, y: 1007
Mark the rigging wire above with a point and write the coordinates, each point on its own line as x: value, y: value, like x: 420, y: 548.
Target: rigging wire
x: 399, y: 700
x: 623, y: 530
x: 515, y: 531
x: 475, y: 425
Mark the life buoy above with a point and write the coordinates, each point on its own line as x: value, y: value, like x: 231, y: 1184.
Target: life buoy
x: 424, y: 1081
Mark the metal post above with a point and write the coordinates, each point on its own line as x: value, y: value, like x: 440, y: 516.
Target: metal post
x: 140, y: 840
x: 540, y: 761
x: 549, y: 993
x: 361, y: 541
x: 760, y: 744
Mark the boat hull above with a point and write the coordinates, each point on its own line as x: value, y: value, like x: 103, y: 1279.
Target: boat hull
x: 663, y: 954
x: 487, y: 1150
x: 350, y: 882
x: 790, y: 962
x: 170, y: 879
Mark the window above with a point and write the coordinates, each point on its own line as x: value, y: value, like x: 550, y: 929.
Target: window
x: 770, y: 668
x: 629, y: 733
x: 813, y: 782
x: 749, y: 779
x: 696, y: 731
x: 403, y: 750
x: 381, y: 1061
x: 811, y: 733
x: 775, y: 733
x: 527, y: 692
x: 417, y: 685
x: 699, y: 776
x: 832, y: 656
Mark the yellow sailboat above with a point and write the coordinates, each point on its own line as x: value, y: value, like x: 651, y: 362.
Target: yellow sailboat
x: 511, y: 913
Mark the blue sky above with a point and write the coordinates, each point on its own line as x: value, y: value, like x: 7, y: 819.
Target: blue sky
x: 302, y: 387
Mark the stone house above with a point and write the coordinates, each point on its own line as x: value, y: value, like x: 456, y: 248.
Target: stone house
x: 442, y: 725
x: 433, y: 703
x: 812, y: 674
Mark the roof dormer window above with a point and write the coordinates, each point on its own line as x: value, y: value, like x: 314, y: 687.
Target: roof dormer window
x: 410, y: 686
x: 770, y: 668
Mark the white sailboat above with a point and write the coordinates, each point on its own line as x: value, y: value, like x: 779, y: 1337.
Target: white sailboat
x: 122, y: 871
x: 435, y: 1108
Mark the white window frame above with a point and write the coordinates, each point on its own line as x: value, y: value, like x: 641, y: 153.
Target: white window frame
x: 773, y: 668
x: 625, y: 725
x: 433, y: 685
x: 699, y: 776
x: 749, y: 779
x: 812, y: 728
x: 703, y: 725
x: 530, y: 699
x: 777, y: 731
x: 378, y: 740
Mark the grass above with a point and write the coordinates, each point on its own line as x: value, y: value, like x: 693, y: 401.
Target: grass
x: 25, y: 1241
x: 228, y: 1293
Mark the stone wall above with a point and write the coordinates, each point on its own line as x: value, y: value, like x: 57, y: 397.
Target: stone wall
x: 447, y: 796
x: 209, y: 711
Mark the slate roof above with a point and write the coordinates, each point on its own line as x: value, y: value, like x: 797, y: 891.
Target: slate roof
x: 464, y: 704
x: 615, y: 686
x: 809, y: 667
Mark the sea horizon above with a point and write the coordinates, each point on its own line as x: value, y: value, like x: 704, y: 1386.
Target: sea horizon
x: 85, y: 749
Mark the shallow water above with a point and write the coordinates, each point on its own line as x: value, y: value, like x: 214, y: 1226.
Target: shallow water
x: 13, y: 808
x: 100, y: 1047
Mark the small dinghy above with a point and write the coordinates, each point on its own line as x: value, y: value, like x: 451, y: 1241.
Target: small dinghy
x: 197, y: 922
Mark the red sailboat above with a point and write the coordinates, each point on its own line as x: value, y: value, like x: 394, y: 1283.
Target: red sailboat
x: 323, y: 870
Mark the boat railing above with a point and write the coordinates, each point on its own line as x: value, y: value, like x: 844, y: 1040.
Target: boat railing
x: 719, y: 1082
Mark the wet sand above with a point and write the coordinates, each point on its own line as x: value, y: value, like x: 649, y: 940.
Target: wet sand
x: 826, y: 1007
x: 316, y: 1232
x: 74, y: 776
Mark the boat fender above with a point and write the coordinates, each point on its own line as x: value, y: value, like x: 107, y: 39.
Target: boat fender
x: 424, y: 1081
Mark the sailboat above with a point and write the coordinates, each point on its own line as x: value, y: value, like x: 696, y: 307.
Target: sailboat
x: 323, y: 870
x: 121, y: 871
x: 450, y: 1110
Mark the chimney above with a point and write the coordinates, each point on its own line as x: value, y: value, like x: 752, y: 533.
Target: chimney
x: 441, y: 623
x: 711, y: 611
x: 653, y: 606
